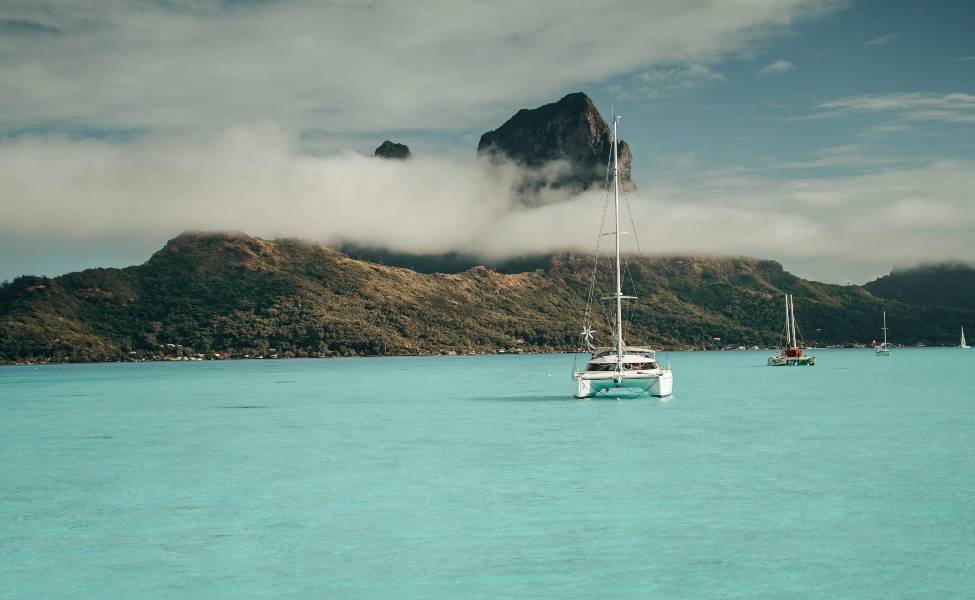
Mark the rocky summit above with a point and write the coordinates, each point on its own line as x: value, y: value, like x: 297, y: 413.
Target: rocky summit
x: 393, y: 150
x: 570, y: 130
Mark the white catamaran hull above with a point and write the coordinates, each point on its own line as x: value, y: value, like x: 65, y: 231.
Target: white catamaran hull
x: 788, y: 361
x: 593, y: 383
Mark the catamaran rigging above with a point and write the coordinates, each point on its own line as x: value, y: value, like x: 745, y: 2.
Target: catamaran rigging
x: 791, y: 354
x: 618, y: 367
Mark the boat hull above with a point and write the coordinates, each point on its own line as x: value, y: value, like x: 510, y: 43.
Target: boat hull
x: 659, y: 383
x: 791, y: 361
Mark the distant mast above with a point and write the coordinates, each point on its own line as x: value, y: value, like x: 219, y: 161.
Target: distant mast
x: 792, y: 312
x: 885, y: 328
x: 788, y: 326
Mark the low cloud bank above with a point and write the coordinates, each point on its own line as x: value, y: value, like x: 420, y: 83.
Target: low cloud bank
x: 257, y: 181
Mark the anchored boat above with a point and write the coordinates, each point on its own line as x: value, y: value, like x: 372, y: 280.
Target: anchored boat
x: 618, y: 367
x: 963, y: 343
x: 884, y: 348
x: 791, y: 354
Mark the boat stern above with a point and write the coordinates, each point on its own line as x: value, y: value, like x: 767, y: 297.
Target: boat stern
x: 660, y: 385
x: 664, y: 385
x: 584, y: 387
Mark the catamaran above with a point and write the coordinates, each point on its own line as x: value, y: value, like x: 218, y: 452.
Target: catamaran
x: 618, y: 367
x: 791, y: 354
x: 884, y: 348
x: 963, y: 343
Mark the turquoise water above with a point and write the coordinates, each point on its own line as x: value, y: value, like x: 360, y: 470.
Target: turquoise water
x: 479, y: 477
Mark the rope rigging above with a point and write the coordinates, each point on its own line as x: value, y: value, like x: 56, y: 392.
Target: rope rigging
x: 588, y: 331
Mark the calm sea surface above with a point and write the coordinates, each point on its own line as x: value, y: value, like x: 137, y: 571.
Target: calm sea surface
x: 480, y: 477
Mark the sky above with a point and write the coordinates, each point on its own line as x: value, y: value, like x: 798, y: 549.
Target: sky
x: 834, y: 136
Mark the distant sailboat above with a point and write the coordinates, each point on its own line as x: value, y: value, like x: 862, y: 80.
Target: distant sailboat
x: 634, y: 368
x: 884, y: 349
x: 791, y: 354
x: 963, y: 343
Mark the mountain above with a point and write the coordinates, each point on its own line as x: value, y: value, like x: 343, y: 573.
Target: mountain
x: 393, y: 150
x: 236, y: 295
x: 570, y: 130
x: 945, y: 284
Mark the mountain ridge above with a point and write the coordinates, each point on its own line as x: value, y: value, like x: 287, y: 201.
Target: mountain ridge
x: 235, y: 295
x: 949, y: 284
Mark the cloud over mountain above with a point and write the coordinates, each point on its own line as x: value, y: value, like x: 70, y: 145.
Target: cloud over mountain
x: 256, y: 180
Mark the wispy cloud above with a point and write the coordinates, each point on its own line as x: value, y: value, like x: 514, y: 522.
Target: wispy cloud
x: 957, y: 108
x: 886, y: 129
x: 844, y: 156
x: 777, y: 67
x: 880, y: 41
x: 967, y: 58
x: 673, y: 79
x: 902, y: 101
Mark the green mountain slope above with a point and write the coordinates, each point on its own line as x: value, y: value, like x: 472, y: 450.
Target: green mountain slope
x: 948, y: 284
x: 232, y: 294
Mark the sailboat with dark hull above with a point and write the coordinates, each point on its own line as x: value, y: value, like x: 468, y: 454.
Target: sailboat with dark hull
x: 791, y: 354
x: 633, y: 369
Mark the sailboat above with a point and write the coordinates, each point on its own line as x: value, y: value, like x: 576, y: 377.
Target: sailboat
x: 884, y: 348
x: 791, y: 354
x: 619, y: 367
x: 963, y: 343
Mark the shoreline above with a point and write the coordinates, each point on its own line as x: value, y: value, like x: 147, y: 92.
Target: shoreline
x: 222, y: 356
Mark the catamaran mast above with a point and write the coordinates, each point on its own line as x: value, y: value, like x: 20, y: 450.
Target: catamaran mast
x: 885, y: 328
x: 619, y: 284
x: 788, y: 327
x: 792, y: 309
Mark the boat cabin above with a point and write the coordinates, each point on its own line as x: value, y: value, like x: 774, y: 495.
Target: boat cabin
x: 634, y: 359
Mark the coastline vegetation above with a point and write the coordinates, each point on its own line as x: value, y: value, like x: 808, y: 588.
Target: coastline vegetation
x: 229, y: 295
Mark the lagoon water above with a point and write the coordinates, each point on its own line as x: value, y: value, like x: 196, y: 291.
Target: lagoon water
x: 480, y: 477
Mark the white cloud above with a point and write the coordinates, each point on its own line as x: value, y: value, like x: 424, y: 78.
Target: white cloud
x: 882, y: 40
x: 256, y: 181
x: 777, y: 67
x: 345, y: 66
